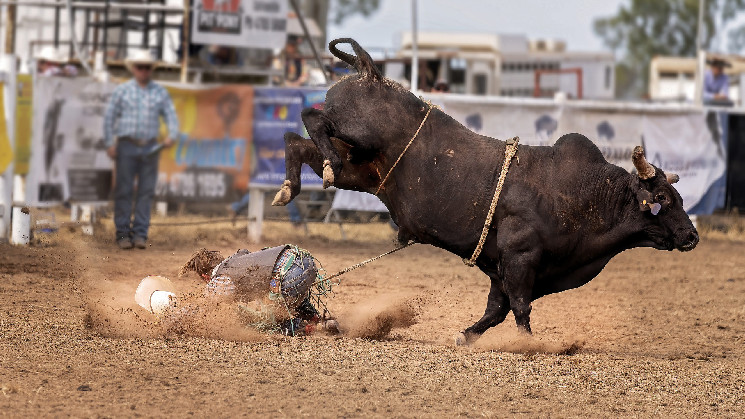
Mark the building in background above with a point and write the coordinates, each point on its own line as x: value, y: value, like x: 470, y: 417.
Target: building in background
x: 672, y: 79
x: 506, y: 65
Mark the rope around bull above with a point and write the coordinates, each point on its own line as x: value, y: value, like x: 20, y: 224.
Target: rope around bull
x: 324, y: 282
x: 429, y: 109
x: 509, y: 153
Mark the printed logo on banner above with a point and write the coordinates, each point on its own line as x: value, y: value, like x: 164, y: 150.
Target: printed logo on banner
x: 219, y: 16
x: 474, y: 123
x: 605, y: 131
x: 545, y: 126
x: 240, y: 23
x: 277, y: 112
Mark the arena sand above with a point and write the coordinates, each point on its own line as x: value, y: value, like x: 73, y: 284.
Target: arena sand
x: 657, y: 333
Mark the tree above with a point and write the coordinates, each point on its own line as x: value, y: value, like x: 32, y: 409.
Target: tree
x: 341, y: 9
x: 643, y: 29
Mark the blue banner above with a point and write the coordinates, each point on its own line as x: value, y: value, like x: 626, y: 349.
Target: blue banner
x: 277, y: 111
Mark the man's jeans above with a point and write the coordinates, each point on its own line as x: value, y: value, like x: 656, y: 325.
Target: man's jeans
x: 133, y: 162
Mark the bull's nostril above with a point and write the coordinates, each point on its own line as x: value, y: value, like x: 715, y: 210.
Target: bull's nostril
x: 692, y: 237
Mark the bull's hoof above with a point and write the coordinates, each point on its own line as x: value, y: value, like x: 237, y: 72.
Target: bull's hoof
x: 283, y: 196
x: 328, y: 174
x: 461, y: 339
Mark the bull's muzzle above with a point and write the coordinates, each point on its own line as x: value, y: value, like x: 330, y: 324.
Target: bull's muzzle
x: 688, y: 240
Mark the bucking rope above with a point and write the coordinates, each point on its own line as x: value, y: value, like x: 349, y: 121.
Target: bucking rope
x: 509, y: 153
x: 429, y: 109
x: 322, y: 287
x: 363, y: 263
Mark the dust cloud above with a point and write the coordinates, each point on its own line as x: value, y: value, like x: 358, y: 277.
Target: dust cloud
x: 375, y: 319
x: 521, y: 343
x: 112, y: 311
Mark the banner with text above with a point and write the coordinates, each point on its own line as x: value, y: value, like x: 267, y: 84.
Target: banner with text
x: 683, y: 142
x: 69, y: 160
x: 6, y: 149
x: 24, y: 113
x: 211, y: 159
x: 240, y: 23
x: 277, y: 111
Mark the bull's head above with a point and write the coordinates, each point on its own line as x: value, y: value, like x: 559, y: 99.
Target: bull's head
x: 668, y: 225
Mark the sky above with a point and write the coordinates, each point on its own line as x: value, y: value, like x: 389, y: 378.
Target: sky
x: 568, y: 20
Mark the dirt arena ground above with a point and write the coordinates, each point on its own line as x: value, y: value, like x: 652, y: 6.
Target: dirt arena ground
x: 657, y: 334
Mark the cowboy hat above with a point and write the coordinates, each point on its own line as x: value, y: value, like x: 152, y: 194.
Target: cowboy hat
x: 139, y: 56
x: 50, y: 54
x: 718, y: 62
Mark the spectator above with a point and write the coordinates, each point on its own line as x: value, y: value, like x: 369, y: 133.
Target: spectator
x: 132, y: 116
x: 50, y: 62
x: 716, y: 83
x: 216, y: 55
x: 296, y: 70
x: 426, y: 77
x: 441, y: 86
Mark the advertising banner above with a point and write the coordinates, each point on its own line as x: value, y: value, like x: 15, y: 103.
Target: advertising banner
x: 211, y: 159
x: 6, y: 150
x: 277, y: 111
x: 234, y: 135
x: 240, y: 23
x: 681, y: 142
x: 24, y: 115
x: 69, y: 161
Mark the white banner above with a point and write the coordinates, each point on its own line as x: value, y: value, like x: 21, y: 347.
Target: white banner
x: 678, y: 141
x: 357, y: 201
x: 69, y: 158
x: 240, y: 23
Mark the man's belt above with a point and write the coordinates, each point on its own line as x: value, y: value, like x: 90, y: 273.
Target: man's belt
x: 137, y: 141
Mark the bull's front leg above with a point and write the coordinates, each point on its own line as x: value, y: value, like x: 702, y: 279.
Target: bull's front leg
x: 321, y: 129
x: 298, y: 150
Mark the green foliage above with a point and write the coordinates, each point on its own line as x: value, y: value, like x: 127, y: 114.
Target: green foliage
x: 341, y: 9
x: 643, y: 29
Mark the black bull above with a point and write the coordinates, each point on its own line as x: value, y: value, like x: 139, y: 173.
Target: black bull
x: 563, y: 213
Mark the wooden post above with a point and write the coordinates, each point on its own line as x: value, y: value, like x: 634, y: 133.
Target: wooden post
x: 185, y: 45
x: 10, y: 29
x: 255, y: 214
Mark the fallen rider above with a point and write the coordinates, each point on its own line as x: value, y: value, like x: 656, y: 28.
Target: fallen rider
x: 274, y: 288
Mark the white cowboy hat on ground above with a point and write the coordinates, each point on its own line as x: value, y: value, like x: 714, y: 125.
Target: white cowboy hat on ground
x: 50, y: 54
x: 139, y: 56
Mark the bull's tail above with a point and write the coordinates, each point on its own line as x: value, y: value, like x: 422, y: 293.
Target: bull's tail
x: 362, y: 62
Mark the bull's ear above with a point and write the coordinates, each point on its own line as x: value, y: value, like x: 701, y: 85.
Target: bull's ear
x: 645, y: 200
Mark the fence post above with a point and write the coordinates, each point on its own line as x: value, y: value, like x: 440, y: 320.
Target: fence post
x: 9, y: 68
x: 255, y: 214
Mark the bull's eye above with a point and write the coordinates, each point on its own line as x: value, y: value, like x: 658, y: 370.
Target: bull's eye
x: 660, y: 197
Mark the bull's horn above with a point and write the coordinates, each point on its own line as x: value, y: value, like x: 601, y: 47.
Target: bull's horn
x: 672, y: 178
x: 643, y: 167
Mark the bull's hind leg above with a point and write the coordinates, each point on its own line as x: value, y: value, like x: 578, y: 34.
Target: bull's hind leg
x: 298, y: 150
x: 321, y: 129
x: 497, y: 308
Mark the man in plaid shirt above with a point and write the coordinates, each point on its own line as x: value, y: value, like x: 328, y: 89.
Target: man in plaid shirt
x: 133, y: 119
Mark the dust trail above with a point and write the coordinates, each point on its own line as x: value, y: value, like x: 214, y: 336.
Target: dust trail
x: 376, y: 318
x: 112, y: 311
x: 521, y: 343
